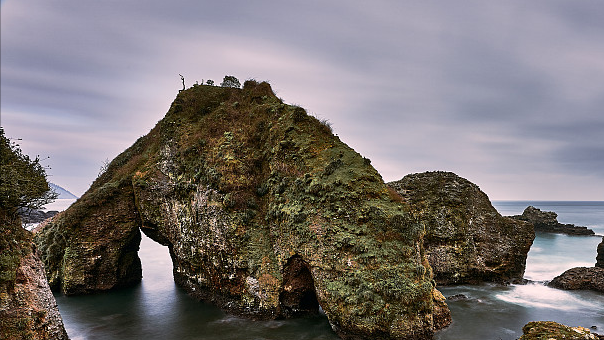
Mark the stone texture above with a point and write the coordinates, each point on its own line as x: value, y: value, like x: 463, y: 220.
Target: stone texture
x: 467, y: 240
x: 545, y: 330
x: 547, y: 221
x: 28, y: 309
x: 589, y: 278
x: 266, y: 213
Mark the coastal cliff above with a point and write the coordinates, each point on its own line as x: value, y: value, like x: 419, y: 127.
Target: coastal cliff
x: 28, y: 309
x: 265, y: 212
x: 467, y: 240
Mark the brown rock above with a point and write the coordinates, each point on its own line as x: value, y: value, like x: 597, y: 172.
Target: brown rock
x: 28, y: 309
x: 589, y: 278
x: 467, y: 240
x: 547, y: 221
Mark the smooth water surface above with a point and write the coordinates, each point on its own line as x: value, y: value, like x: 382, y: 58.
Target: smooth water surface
x: 158, y: 309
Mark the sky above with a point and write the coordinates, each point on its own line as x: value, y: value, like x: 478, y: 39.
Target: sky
x: 507, y: 94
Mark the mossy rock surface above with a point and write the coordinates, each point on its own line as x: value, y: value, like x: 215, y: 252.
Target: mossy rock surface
x: 266, y: 213
x: 467, y: 240
x: 547, y: 330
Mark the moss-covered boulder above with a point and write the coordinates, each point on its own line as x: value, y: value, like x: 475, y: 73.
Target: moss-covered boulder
x: 266, y: 213
x: 467, y: 240
x: 547, y: 330
x: 28, y: 309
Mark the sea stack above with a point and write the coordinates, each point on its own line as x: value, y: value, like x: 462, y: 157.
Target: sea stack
x: 467, y: 240
x: 266, y: 213
x: 547, y: 221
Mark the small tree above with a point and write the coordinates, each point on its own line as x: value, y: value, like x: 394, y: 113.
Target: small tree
x: 230, y: 81
x: 210, y: 82
x: 23, y: 182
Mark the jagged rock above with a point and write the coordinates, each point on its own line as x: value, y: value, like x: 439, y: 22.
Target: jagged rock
x: 28, y: 309
x: 588, y: 278
x: 547, y: 221
x: 600, y: 257
x: 266, y: 213
x: 539, y: 330
x: 467, y: 240
x: 29, y: 216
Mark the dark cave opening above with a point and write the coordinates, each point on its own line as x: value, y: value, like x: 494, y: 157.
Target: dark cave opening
x: 298, y: 296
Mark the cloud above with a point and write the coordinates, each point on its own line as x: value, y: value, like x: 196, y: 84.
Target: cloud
x: 501, y: 93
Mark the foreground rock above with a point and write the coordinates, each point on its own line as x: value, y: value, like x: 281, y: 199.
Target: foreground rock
x: 467, y: 240
x: 547, y: 221
x: 266, y: 213
x: 545, y: 330
x: 587, y: 278
x: 28, y: 309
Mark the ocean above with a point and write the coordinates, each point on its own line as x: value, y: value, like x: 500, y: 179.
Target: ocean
x: 158, y: 309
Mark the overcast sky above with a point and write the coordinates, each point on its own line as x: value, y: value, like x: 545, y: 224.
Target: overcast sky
x: 508, y: 94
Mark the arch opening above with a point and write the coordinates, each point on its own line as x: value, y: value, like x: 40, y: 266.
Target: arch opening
x: 299, y: 296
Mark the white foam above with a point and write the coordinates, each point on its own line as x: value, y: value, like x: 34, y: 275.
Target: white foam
x: 540, y: 296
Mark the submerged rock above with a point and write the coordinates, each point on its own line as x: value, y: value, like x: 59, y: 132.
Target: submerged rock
x: 547, y: 221
x: 467, y: 240
x: 265, y: 212
x: 28, y: 309
x: 540, y: 330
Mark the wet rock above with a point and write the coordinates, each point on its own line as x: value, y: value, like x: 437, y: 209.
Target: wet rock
x: 600, y: 257
x: 552, y: 330
x: 588, y: 278
x: 266, y: 213
x: 28, y: 309
x: 467, y: 240
x: 547, y: 221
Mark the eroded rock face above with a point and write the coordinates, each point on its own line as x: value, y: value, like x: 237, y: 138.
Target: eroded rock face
x: 28, y: 309
x: 265, y: 213
x: 547, y: 221
x: 467, y: 240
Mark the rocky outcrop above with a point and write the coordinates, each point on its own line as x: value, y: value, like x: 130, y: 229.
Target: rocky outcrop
x: 467, y: 240
x: 600, y: 257
x: 29, y: 216
x: 266, y: 213
x: 587, y: 278
x: 539, y: 330
x: 28, y: 309
x: 547, y: 221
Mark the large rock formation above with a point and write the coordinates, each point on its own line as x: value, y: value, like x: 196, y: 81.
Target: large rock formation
x: 467, y: 240
x: 28, y: 309
x: 547, y: 221
x: 266, y: 213
x: 539, y: 330
x: 589, y: 278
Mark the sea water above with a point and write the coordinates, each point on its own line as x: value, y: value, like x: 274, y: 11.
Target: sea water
x: 158, y: 309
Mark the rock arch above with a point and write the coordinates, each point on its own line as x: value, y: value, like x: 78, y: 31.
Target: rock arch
x: 299, y: 295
